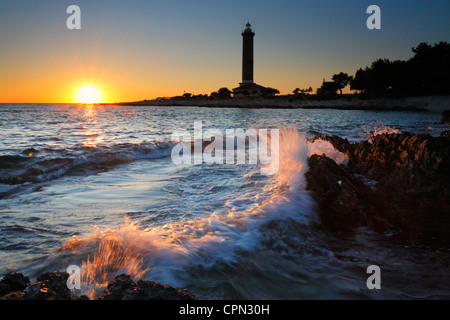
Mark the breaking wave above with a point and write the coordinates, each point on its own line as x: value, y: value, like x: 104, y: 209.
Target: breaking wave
x: 47, y: 164
x: 379, y: 129
x: 254, y: 221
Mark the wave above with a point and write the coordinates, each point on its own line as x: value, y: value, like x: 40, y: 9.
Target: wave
x: 165, y: 253
x: 379, y: 129
x: 38, y: 166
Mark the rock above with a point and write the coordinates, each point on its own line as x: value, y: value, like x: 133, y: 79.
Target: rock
x: 336, y: 191
x: 82, y: 297
x: 123, y: 288
x: 445, y: 134
x: 13, y: 281
x: 53, y: 286
x: 50, y: 286
x: 340, y: 144
x: 16, y: 295
x: 117, y: 287
x: 30, y: 151
x: 412, y: 194
x: 445, y: 117
x: 149, y: 290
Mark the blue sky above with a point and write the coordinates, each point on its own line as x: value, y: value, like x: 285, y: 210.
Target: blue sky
x: 144, y: 49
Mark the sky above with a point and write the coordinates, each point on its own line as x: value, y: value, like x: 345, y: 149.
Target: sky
x: 143, y: 49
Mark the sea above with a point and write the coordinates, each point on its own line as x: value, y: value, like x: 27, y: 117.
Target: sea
x: 95, y: 186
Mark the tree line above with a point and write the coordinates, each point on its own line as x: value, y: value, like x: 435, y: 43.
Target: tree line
x: 426, y: 73
x: 222, y: 93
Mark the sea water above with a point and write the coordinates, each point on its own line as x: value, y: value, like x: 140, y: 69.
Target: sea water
x: 95, y: 186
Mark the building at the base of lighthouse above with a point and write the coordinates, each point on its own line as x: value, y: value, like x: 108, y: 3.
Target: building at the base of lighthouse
x: 248, y: 88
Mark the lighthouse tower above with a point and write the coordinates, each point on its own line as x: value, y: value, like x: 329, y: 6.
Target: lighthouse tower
x: 247, y: 54
x: 248, y: 88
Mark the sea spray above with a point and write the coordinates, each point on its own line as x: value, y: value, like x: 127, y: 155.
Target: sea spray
x: 165, y: 253
x: 378, y: 129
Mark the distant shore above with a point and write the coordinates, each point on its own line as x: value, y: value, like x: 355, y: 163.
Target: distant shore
x: 346, y: 102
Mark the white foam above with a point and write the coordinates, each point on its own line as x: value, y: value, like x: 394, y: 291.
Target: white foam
x: 320, y: 147
x: 168, y: 250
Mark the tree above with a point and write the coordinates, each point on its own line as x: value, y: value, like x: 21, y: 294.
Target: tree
x: 224, y: 93
x: 361, y: 80
x: 269, y: 92
x: 328, y: 88
x: 342, y: 80
x: 424, y: 74
x: 430, y: 68
x: 302, y: 92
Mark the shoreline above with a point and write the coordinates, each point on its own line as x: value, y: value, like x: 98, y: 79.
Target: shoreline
x: 348, y: 102
x: 396, y: 186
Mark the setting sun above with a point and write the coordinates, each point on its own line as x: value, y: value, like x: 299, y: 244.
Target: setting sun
x: 88, y: 93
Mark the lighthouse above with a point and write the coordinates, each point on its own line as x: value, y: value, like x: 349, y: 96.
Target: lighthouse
x: 247, y: 54
x: 248, y: 88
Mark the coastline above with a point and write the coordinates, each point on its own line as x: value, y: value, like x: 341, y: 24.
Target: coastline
x: 396, y: 186
x: 347, y: 102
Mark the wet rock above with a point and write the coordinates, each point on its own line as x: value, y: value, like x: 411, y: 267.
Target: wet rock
x: 445, y: 134
x: 16, y: 295
x: 412, y: 193
x: 123, y: 288
x: 149, y: 290
x: 13, y: 281
x: 445, y: 117
x: 30, y: 151
x: 49, y: 286
x: 340, y: 144
x: 336, y: 191
x: 429, y: 154
x: 82, y: 297
x: 53, y: 286
x: 117, y: 288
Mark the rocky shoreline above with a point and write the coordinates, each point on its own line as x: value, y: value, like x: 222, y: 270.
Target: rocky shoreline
x: 53, y: 286
x: 397, y: 182
x: 345, y: 102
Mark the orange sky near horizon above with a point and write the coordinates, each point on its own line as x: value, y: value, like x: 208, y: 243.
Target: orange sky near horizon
x: 49, y: 72
x: 136, y: 50
x: 49, y: 77
x: 57, y: 83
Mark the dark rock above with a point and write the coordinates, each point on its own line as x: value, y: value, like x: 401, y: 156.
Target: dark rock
x: 13, y: 281
x: 50, y: 286
x: 340, y: 144
x: 336, y: 191
x: 123, y: 288
x: 445, y: 134
x: 117, y: 288
x: 445, y: 117
x: 389, y: 151
x: 149, y: 290
x: 56, y: 277
x: 53, y: 286
x: 16, y: 295
x: 412, y: 194
x: 30, y: 151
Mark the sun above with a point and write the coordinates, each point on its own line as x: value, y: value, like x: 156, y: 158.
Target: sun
x: 88, y: 93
